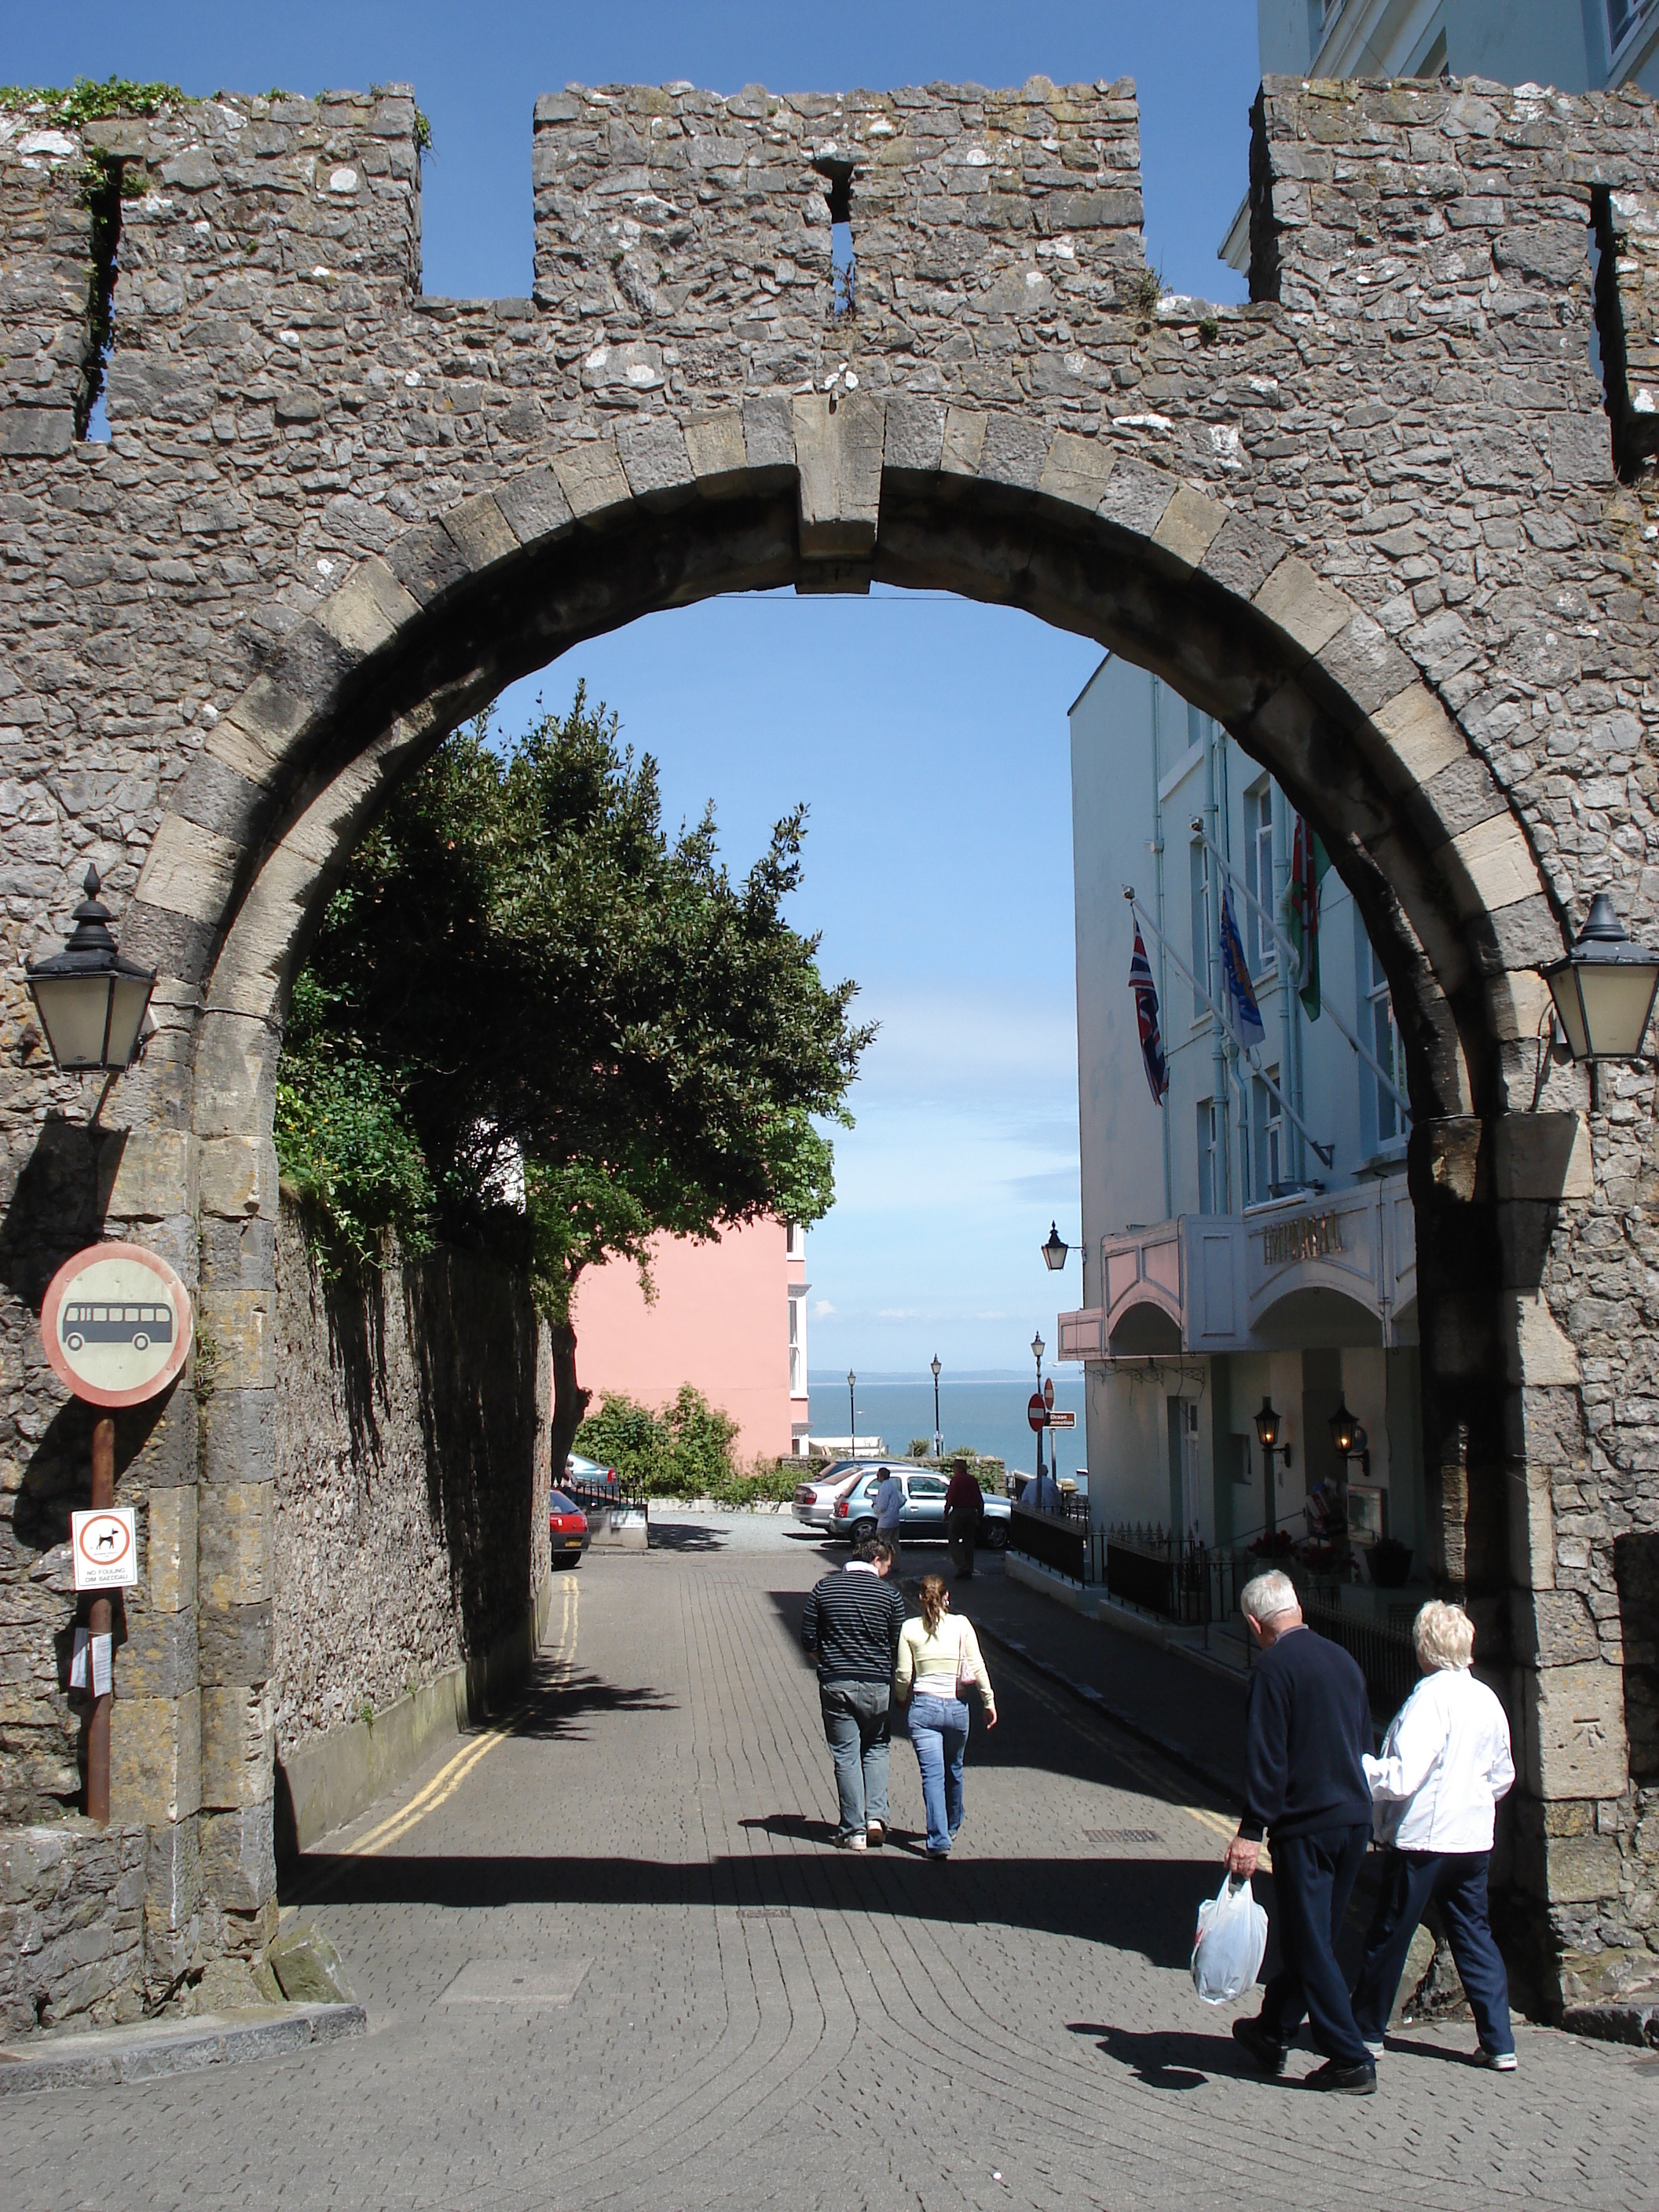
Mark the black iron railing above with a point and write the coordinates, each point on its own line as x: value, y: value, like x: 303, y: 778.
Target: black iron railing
x: 1059, y: 1541
x: 593, y: 1495
x: 1385, y: 1656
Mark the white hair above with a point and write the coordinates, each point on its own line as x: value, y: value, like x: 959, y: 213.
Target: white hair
x: 1264, y: 1597
x: 1442, y: 1636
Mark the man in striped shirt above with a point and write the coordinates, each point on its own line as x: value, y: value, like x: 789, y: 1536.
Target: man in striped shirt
x: 852, y: 1626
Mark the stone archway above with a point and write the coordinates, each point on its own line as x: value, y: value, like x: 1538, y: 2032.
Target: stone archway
x: 1010, y: 413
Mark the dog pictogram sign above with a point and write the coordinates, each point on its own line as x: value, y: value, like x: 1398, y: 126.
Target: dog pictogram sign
x: 105, y: 1544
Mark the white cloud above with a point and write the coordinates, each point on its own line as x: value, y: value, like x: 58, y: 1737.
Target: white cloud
x: 821, y: 1309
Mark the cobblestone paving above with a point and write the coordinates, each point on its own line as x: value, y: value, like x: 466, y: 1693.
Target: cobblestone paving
x: 760, y: 2020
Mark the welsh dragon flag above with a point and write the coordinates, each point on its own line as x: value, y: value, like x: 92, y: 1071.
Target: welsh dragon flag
x: 1308, y: 862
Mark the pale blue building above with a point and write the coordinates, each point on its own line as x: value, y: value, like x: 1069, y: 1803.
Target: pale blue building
x: 1576, y: 46
x: 1250, y: 1236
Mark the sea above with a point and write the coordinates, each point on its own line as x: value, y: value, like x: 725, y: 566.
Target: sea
x: 985, y: 1412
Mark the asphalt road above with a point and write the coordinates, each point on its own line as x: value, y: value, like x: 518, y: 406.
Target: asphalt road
x: 610, y: 1961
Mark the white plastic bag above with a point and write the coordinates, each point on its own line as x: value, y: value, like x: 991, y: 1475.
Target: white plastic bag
x: 1232, y: 1936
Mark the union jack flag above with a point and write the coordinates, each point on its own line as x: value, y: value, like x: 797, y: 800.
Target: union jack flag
x: 1152, y: 1043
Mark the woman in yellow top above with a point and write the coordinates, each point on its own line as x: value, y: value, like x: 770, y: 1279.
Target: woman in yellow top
x: 939, y: 1656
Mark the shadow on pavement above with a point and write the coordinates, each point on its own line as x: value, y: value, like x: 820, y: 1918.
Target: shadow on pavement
x: 686, y: 1536
x: 556, y: 1707
x: 1143, y: 1906
x: 1167, y: 2058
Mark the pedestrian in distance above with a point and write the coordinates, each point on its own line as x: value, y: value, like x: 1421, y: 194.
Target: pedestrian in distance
x: 852, y: 1626
x: 1445, y: 1763
x: 964, y: 1510
x: 1307, y: 1734
x: 938, y: 1658
x: 888, y: 1503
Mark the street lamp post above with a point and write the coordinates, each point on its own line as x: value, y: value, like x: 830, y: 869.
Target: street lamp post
x: 852, y: 1418
x: 1348, y: 1436
x: 1604, y: 988
x: 939, y: 1439
x: 1269, y: 1428
x: 91, y: 1002
x: 1038, y: 1349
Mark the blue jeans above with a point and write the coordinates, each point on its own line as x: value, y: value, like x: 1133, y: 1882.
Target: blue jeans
x: 1313, y: 1879
x: 856, y: 1729
x: 1456, y: 1883
x: 938, y: 1729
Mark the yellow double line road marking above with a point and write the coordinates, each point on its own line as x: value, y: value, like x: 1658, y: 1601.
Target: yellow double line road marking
x: 451, y: 1775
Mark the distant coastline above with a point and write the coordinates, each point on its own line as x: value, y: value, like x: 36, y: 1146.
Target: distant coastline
x: 984, y: 1412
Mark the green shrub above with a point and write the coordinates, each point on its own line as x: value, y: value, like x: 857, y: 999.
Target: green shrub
x: 683, y: 1450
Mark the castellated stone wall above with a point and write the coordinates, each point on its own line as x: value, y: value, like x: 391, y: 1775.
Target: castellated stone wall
x: 1373, y: 521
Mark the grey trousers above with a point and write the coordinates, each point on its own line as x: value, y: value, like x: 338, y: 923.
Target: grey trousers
x: 855, y: 1726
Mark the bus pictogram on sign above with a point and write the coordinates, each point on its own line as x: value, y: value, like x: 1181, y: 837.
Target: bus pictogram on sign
x: 116, y: 1324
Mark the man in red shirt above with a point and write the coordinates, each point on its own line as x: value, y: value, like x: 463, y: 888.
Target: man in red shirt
x: 964, y: 1507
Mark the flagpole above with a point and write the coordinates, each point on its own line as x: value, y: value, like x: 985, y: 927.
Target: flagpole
x: 1326, y: 1152
x: 1289, y: 950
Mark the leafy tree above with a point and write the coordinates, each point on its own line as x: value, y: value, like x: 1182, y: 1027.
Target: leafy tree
x: 533, y: 1021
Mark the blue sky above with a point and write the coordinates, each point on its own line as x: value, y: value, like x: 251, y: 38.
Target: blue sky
x: 928, y: 737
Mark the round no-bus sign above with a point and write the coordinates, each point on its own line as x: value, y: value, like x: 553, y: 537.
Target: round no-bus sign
x: 116, y: 1324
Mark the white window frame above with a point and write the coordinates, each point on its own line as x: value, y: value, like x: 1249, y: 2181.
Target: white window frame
x: 1211, y: 1134
x: 1620, y: 42
x: 1259, y: 841
x: 797, y: 1342
x: 1266, y: 1161
x: 1386, y: 1124
x: 1203, y: 925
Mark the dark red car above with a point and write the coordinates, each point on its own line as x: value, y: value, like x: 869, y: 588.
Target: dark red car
x: 567, y: 1529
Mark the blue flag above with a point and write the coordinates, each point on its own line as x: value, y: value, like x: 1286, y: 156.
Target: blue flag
x: 1152, y: 1043
x: 1237, y: 994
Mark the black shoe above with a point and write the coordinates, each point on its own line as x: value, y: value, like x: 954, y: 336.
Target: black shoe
x: 1352, y: 2080
x: 1266, y: 2053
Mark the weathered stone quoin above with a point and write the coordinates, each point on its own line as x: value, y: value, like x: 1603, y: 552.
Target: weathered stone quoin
x: 1382, y: 522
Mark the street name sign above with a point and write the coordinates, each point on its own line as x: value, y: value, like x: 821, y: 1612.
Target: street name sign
x: 116, y: 1324
x: 1062, y: 1420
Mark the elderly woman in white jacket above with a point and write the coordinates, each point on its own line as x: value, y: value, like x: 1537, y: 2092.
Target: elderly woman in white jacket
x: 1445, y: 1762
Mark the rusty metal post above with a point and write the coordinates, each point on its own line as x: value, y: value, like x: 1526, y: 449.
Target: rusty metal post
x: 100, y: 1622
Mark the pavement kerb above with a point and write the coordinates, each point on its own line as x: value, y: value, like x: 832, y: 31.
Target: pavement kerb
x: 1099, y: 1703
x: 107, y: 2058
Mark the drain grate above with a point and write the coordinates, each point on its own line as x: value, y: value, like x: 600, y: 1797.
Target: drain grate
x: 1121, y: 1836
x: 763, y: 1912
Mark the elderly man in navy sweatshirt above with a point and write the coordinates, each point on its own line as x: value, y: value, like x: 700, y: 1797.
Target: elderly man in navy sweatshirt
x: 1308, y: 1727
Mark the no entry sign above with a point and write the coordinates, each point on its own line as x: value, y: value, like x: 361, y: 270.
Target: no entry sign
x: 1035, y: 1412
x: 116, y: 1324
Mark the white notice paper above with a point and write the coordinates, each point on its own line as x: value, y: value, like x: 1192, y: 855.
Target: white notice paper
x: 78, y: 1659
x: 100, y: 1666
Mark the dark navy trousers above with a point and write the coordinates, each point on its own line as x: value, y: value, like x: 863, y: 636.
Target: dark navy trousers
x: 1456, y: 1883
x: 1313, y: 1879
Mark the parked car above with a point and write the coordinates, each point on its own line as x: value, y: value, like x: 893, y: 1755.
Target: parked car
x: 578, y: 1469
x: 567, y: 1531
x: 854, y: 1515
x: 816, y: 1501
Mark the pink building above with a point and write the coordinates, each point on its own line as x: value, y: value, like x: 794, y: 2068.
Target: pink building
x: 729, y: 1317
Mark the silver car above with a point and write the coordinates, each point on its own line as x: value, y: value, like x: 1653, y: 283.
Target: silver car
x: 854, y: 1514
x: 816, y: 1501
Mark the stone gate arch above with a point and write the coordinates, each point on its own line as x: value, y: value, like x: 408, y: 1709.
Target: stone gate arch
x: 445, y: 495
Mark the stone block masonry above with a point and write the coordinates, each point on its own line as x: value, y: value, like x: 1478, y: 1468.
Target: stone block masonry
x: 1384, y: 522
